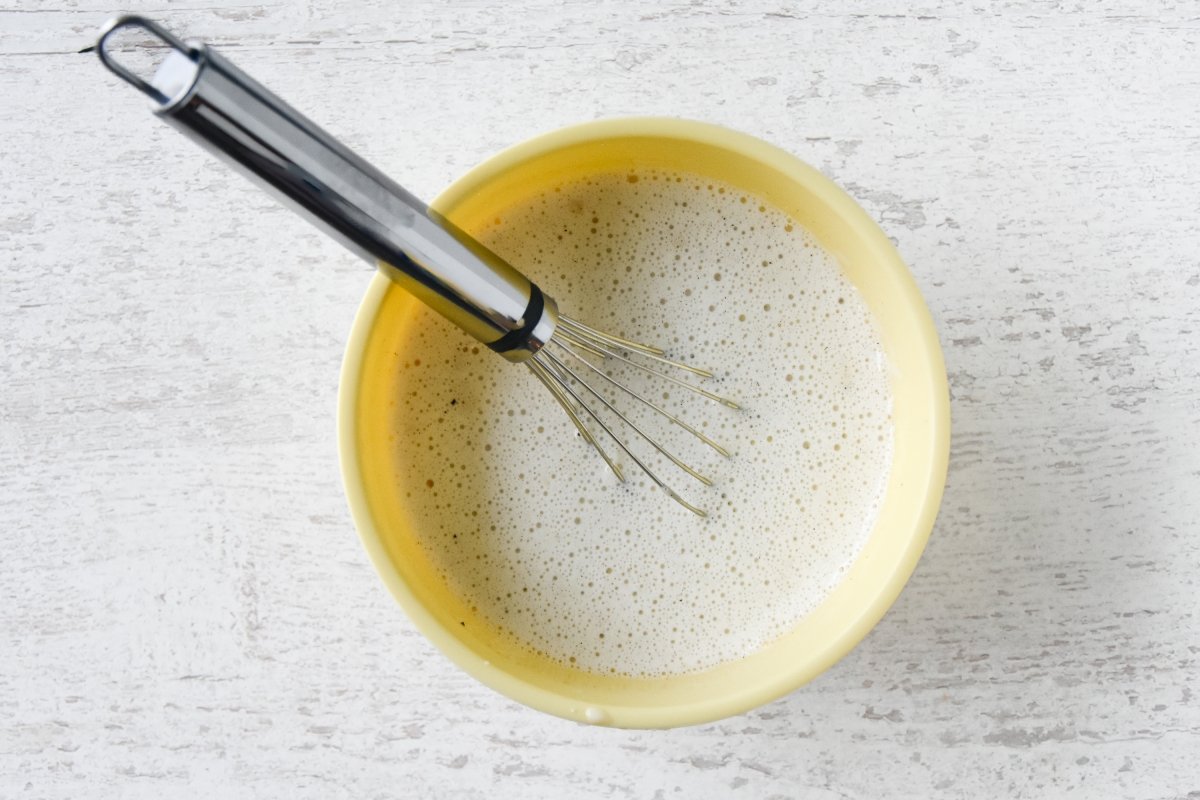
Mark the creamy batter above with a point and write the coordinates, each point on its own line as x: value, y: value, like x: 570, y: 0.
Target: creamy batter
x: 523, y: 520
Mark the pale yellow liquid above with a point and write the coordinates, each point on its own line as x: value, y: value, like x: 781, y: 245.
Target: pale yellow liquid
x: 525, y: 522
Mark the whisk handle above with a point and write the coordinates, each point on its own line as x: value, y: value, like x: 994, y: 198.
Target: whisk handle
x: 217, y: 105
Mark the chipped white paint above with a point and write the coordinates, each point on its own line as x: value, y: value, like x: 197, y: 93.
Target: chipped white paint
x: 185, y: 609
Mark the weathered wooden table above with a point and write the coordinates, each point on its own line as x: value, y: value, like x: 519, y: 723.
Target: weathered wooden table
x: 185, y: 610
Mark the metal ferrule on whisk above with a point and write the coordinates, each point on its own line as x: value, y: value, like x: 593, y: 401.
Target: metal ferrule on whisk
x: 220, y: 107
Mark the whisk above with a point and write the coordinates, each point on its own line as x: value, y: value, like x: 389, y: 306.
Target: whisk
x: 214, y: 103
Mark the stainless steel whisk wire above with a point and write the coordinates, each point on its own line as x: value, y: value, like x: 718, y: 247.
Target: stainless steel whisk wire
x: 199, y: 92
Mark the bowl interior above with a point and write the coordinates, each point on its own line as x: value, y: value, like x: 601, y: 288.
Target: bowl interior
x: 920, y: 415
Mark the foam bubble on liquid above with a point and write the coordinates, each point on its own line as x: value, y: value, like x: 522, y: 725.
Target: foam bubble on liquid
x: 520, y: 518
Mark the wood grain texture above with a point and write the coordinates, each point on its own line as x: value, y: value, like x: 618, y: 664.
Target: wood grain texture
x: 185, y: 610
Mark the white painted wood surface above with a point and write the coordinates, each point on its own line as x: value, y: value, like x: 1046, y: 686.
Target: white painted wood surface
x: 185, y: 610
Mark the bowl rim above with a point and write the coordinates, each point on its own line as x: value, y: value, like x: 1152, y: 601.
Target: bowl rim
x: 745, y: 698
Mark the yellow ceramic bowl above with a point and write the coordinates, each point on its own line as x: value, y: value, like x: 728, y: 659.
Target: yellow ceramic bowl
x: 921, y: 416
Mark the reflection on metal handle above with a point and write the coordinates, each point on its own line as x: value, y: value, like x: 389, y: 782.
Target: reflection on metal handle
x: 216, y: 104
x: 119, y: 69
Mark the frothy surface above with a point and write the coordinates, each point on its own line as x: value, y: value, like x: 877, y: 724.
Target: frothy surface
x: 521, y: 518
